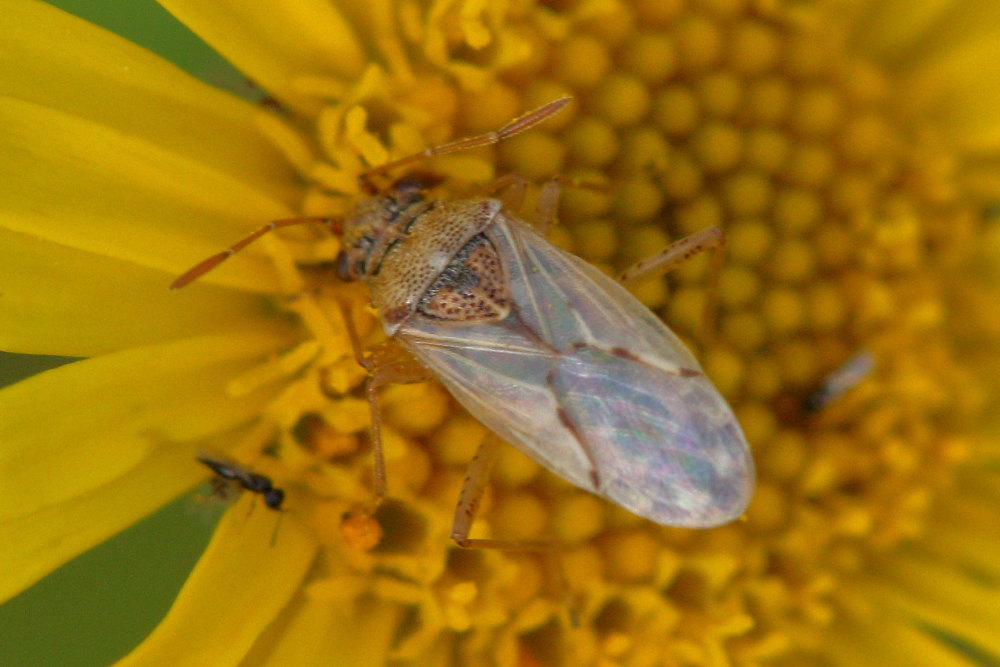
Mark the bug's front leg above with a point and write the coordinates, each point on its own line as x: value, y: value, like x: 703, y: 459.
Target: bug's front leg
x: 386, y: 364
x: 547, y: 207
x: 514, y: 187
x: 476, y: 478
x: 676, y: 254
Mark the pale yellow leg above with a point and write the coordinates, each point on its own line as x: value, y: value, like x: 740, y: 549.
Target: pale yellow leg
x: 404, y: 371
x: 547, y: 208
x: 386, y: 364
x: 476, y: 478
x: 514, y: 187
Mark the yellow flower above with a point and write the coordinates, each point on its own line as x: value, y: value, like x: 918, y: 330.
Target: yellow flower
x: 847, y: 148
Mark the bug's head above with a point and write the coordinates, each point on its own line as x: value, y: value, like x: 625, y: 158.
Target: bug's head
x: 369, y: 231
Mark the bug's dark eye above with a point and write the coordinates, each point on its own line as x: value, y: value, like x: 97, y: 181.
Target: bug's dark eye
x: 344, y: 271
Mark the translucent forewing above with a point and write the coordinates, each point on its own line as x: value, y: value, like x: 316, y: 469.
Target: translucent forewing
x: 585, y: 380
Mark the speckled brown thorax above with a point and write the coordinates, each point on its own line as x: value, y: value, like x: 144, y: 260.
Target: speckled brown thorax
x: 472, y: 288
x: 435, y: 260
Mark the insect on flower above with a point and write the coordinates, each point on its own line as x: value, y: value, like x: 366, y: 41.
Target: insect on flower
x: 544, y: 349
x: 844, y: 378
x: 227, y: 471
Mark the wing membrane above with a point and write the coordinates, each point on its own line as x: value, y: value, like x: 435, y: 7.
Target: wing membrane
x: 583, y: 378
x: 663, y: 443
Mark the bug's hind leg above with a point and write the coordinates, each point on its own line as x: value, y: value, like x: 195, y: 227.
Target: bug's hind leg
x: 473, y: 488
x: 476, y: 479
x: 674, y: 255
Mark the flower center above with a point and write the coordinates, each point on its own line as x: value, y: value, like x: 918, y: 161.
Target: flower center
x: 841, y: 211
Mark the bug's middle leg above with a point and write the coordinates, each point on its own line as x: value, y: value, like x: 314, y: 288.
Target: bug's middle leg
x: 676, y: 254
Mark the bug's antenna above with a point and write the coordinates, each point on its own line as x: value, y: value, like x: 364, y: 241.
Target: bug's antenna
x: 515, y: 126
x: 203, y: 267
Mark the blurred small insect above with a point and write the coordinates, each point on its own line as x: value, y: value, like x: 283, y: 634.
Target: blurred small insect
x: 250, y: 481
x: 228, y: 473
x: 544, y: 349
x: 844, y: 378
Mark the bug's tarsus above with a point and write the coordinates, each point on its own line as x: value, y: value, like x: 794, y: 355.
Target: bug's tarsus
x: 203, y: 267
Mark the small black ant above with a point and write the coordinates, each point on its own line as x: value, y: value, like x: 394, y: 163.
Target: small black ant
x: 227, y: 471
x: 251, y: 481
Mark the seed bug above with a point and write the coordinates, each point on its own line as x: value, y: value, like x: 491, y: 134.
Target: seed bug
x: 549, y: 353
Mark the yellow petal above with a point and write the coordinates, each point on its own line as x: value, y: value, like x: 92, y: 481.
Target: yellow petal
x: 950, y: 48
x: 965, y: 77
x: 273, y: 42
x: 61, y: 62
x: 84, y: 185
x: 322, y: 631
x: 939, y: 596
x: 38, y: 543
x: 887, y: 641
x: 961, y: 22
x: 891, y: 27
x: 239, y: 587
x: 75, y: 428
x: 62, y: 301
